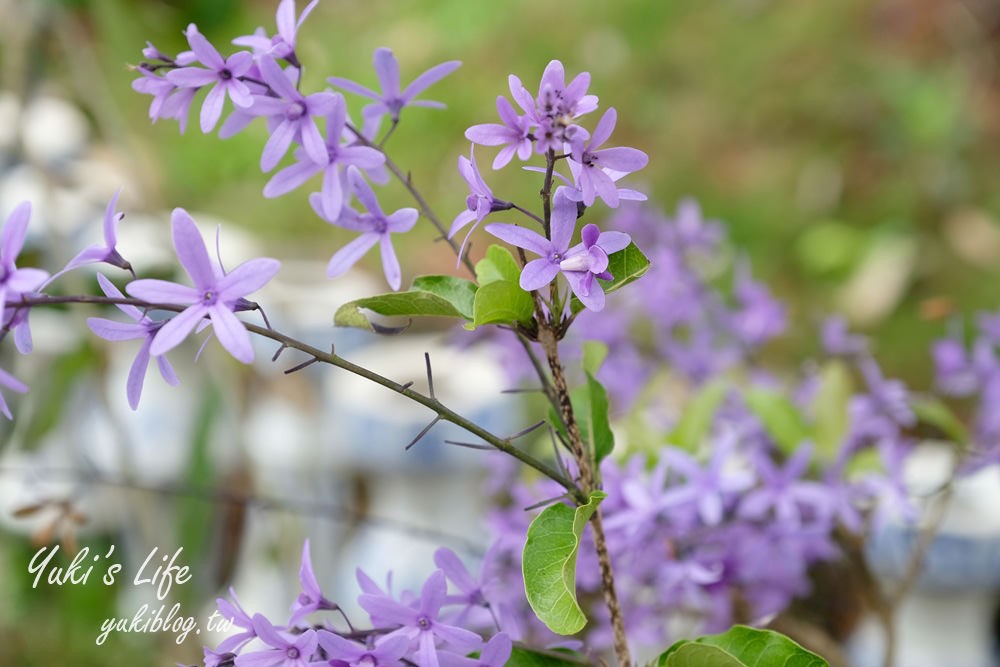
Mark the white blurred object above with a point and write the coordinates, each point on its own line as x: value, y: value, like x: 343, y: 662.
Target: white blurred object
x: 52, y: 130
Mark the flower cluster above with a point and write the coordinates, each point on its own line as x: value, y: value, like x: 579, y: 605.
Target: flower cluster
x: 214, y: 298
x: 428, y: 628
x: 263, y: 81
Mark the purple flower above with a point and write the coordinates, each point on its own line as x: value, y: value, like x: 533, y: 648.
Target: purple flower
x: 281, y: 45
x: 556, y: 99
x: 339, y: 156
x: 107, y: 253
x: 478, y: 204
x: 143, y: 328
x: 10, y: 382
x: 293, y: 116
x: 386, y: 652
x: 15, y: 282
x: 224, y: 74
x: 391, y: 100
x: 759, y: 316
x: 784, y: 492
x: 890, y: 397
x: 150, y: 83
x: 214, y: 296
x: 956, y: 374
x: 594, y: 170
x: 579, y: 264
x: 311, y: 599
x: 838, y: 341
x: 588, y: 260
x: 285, y: 650
x: 707, y: 489
x: 514, y: 135
x: 420, y: 621
x: 234, y: 613
x: 375, y: 227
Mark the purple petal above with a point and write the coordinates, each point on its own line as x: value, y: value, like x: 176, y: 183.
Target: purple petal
x: 347, y: 256
x: 429, y: 78
x: 26, y: 280
x: 363, y: 191
x: 488, y: 134
x: 387, y: 70
x: 276, y: 78
x: 204, y: 51
x: 361, y: 156
x: 426, y: 652
x: 402, y: 220
x: 613, y: 241
x: 268, y: 633
x: 352, y: 87
x: 604, y: 128
x: 497, y: 650
x: 110, y: 290
x: 246, y: 278
x: 231, y: 333
x: 587, y: 290
x: 12, y: 238
x: 453, y: 568
x: 590, y: 233
x: 290, y: 178
x: 192, y: 77
x: 538, y: 273
x: 211, y: 109
x: 313, y: 142
x: 137, y: 374
x: 521, y: 238
x: 390, y: 264
x: 167, y: 371
x: 162, y: 291
x: 111, y: 220
x: 563, y: 222
x: 277, y: 145
x: 387, y: 609
x: 332, y: 193
x: 177, y: 329
x: 461, y: 638
x: 339, y: 648
x: 116, y: 331
x: 191, y: 250
x: 621, y: 159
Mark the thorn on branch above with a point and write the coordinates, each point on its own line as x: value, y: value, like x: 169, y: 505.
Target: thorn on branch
x: 423, y: 432
x: 469, y: 445
x: 304, y: 364
x: 277, y: 353
x: 526, y: 431
x: 404, y: 387
x: 547, y: 501
x: 430, y: 375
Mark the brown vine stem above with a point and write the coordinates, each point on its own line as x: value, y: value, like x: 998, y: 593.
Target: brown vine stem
x: 443, y: 412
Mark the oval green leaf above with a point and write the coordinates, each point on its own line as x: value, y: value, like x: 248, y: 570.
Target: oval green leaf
x: 740, y: 646
x: 502, y: 302
x: 549, y: 564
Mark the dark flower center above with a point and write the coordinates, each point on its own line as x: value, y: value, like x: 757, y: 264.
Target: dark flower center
x: 295, y: 111
x: 225, y: 74
x: 423, y: 622
x: 471, y: 202
x: 381, y: 225
x: 305, y: 599
x: 292, y: 653
x: 208, y: 298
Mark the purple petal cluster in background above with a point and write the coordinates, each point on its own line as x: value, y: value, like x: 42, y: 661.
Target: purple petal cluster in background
x: 431, y: 628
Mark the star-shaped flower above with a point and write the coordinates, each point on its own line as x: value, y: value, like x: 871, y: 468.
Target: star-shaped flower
x: 375, y: 227
x: 213, y: 295
x: 391, y: 100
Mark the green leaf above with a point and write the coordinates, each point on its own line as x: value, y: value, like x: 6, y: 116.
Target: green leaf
x: 594, y: 354
x: 626, y: 265
x: 698, y: 416
x: 740, y: 646
x: 592, y: 412
x: 935, y: 412
x: 498, y: 264
x: 830, y: 409
x: 549, y: 564
x: 781, y: 418
x: 459, y: 292
x: 522, y: 657
x: 416, y: 303
x: 502, y: 302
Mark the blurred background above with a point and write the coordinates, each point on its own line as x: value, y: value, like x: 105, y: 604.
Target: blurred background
x: 852, y: 148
